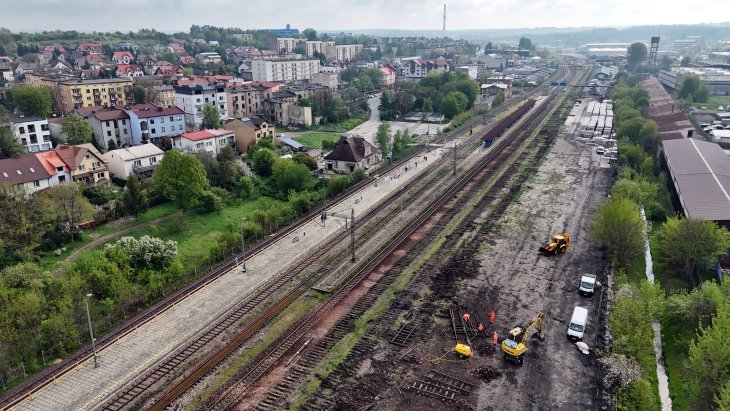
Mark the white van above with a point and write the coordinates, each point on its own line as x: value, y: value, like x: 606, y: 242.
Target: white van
x: 578, y: 323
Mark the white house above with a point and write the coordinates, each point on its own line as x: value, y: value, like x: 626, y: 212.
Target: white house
x: 192, y: 98
x: 140, y: 159
x: 33, y: 172
x: 210, y: 57
x: 211, y: 141
x: 32, y: 132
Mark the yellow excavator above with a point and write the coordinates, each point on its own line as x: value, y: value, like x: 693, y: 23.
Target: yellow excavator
x: 559, y: 245
x: 515, y: 346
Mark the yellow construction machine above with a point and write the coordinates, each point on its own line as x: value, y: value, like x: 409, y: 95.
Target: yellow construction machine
x: 515, y: 346
x: 559, y: 245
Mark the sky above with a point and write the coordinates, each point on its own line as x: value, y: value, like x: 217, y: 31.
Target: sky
x: 179, y: 15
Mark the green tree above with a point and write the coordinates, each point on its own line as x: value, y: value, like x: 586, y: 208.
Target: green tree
x: 9, y: 144
x: 382, y: 138
x: 246, y: 188
x: 66, y: 203
x: 209, y: 202
x: 525, y: 44
x: 708, y: 363
x: 140, y: 94
x: 310, y: 34
x: 687, y: 245
x: 364, y: 84
x: 288, y: 175
x: 453, y: 103
x: 134, y: 198
x: 263, y: 160
x: 692, y: 88
x: 722, y: 399
x: 228, y: 172
x: 637, y: 53
x: 33, y: 100
x: 306, y: 159
x: 181, y: 178
x: 111, y: 144
x: 376, y: 76
x: 77, y: 130
x: 617, y: 225
x: 188, y: 72
x: 300, y: 50
x: 685, y: 61
x: 22, y: 223
x: 498, y: 99
x: 211, y: 116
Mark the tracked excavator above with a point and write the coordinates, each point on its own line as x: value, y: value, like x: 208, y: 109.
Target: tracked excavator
x: 515, y: 346
x: 559, y: 245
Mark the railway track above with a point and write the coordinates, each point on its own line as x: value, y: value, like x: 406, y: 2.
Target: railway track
x: 51, y: 374
x: 252, y: 375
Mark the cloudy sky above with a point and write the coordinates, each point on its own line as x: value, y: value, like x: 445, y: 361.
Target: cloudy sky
x: 171, y: 15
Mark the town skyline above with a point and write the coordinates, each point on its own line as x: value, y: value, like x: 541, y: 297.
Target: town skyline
x: 92, y: 15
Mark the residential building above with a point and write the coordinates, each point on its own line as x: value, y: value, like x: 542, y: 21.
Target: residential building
x: 88, y: 93
x: 286, y: 111
x: 168, y: 71
x: 329, y: 80
x: 129, y: 70
x: 109, y: 124
x: 122, y: 57
x: 244, y: 36
x: 470, y: 70
x: 187, y: 60
x: 493, y: 61
x: 389, y: 74
x: 162, y: 96
x: 284, y: 70
x: 419, y: 68
x: 155, y: 124
x: 86, y: 163
x: 317, y: 46
x: 91, y: 48
x: 249, y: 131
x: 141, y: 160
x: 285, y: 44
x: 25, y: 175
x: 125, y: 45
x: 6, y: 72
x: 352, y: 152
x: 211, y: 57
x: 54, y: 165
x: 211, y: 141
x: 346, y: 52
x: 32, y: 132
x: 246, y: 101
x: 192, y: 98
x: 491, y: 89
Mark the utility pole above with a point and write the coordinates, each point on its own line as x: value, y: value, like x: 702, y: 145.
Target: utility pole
x: 243, y: 245
x: 352, y: 233
x: 91, y: 330
x: 454, y: 157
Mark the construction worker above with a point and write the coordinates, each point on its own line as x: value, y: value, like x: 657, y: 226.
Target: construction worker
x: 491, y: 316
x: 480, y: 328
x: 466, y: 317
x: 495, y: 337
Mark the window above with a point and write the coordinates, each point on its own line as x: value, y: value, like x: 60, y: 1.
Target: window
x: 31, y: 128
x: 162, y: 129
x: 162, y: 119
x: 153, y: 131
x: 24, y: 141
x: 59, y: 169
x: 124, y: 122
x: 172, y: 118
x: 36, y: 184
x: 153, y: 160
x: 22, y: 130
x: 61, y: 179
x: 81, y: 167
x: 137, y: 163
x: 95, y: 165
x: 87, y: 156
x: 108, y: 133
x: 199, y: 145
x: 125, y: 131
x: 152, y: 121
x: 100, y: 176
x: 46, y: 138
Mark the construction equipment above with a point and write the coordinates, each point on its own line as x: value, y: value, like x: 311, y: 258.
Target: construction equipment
x: 515, y: 346
x: 559, y: 245
x: 463, y: 351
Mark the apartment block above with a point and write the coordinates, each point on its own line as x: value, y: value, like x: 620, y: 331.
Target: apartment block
x: 88, y: 93
x: 284, y: 70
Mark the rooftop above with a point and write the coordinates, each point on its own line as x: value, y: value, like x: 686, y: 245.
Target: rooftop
x: 146, y: 110
x: 22, y: 169
x: 205, y: 134
x: 136, y: 152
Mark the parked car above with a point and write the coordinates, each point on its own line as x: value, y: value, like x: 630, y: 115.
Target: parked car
x: 720, y: 108
x: 587, y: 284
x: 578, y: 323
x: 600, y: 151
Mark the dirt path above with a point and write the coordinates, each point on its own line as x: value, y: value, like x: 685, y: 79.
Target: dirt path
x: 106, y: 237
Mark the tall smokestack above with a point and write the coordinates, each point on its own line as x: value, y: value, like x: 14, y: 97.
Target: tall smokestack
x: 444, y: 19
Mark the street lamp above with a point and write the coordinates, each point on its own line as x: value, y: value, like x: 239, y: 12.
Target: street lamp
x: 243, y: 245
x: 91, y: 331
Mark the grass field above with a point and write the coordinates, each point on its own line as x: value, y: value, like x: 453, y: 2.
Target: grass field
x: 716, y: 101
x: 314, y: 140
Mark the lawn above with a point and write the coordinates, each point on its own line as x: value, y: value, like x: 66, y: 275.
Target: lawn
x: 201, y: 231
x: 314, y: 140
x: 715, y: 101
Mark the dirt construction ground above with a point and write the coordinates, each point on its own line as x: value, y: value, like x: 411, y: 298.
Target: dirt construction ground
x: 517, y: 282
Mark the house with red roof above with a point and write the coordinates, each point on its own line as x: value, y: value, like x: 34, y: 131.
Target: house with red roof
x: 122, y: 57
x: 86, y: 163
x: 91, y: 48
x: 389, y: 74
x: 129, y: 70
x: 176, y: 48
x: 187, y: 60
x: 155, y: 124
x: 31, y: 173
x: 419, y: 68
x: 169, y: 71
x: 211, y: 141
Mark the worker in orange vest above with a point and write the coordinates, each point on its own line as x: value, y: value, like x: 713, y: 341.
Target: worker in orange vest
x: 495, y: 337
x: 491, y: 316
x: 466, y: 317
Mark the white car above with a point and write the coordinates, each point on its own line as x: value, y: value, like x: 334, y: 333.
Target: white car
x: 600, y: 151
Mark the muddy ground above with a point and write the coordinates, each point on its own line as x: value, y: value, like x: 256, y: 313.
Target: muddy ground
x: 507, y: 275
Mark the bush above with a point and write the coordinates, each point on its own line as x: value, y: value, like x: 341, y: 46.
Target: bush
x: 209, y: 202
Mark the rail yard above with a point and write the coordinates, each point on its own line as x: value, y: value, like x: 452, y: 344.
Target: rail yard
x: 367, y: 317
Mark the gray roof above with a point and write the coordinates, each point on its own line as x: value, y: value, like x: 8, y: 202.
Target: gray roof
x: 701, y: 174
x: 290, y: 142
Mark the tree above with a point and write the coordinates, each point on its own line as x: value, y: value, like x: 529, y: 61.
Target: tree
x: 263, y: 160
x: 188, y: 72
x: 310, y: 34
x: 77, y: 130
x: 211, y: 116
x: 376, y: 76
x: 209, y: 202
x: 364, y: 84
x: 22, y: 223
x: 288, y: 175
x: 134, y: 198
x: 498, y: 99
x: 488, y: 48
x: 708, y: 362
x: 66, y: 203
x: 181, y: 178
x: 140, y: 94
x: 33, y: 100
x: 617, y: 225
x: 382, y: 138
x: 300, y: 50
x: 111, y: 144
x: 687, y: 245
x: 686, y: 60
x: 525, y: 44
x: 144, y: 253
x: 306, y: 159
x: 228, y: 172
x: 637, y: 53
x: 692, y: 88
x: 453, y: 103
x: 9, y: 144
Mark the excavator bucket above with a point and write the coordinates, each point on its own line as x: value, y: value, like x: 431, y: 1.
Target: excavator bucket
x: 548, y: 250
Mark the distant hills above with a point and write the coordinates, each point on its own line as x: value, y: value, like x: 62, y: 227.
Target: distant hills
x: 570, y: 37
